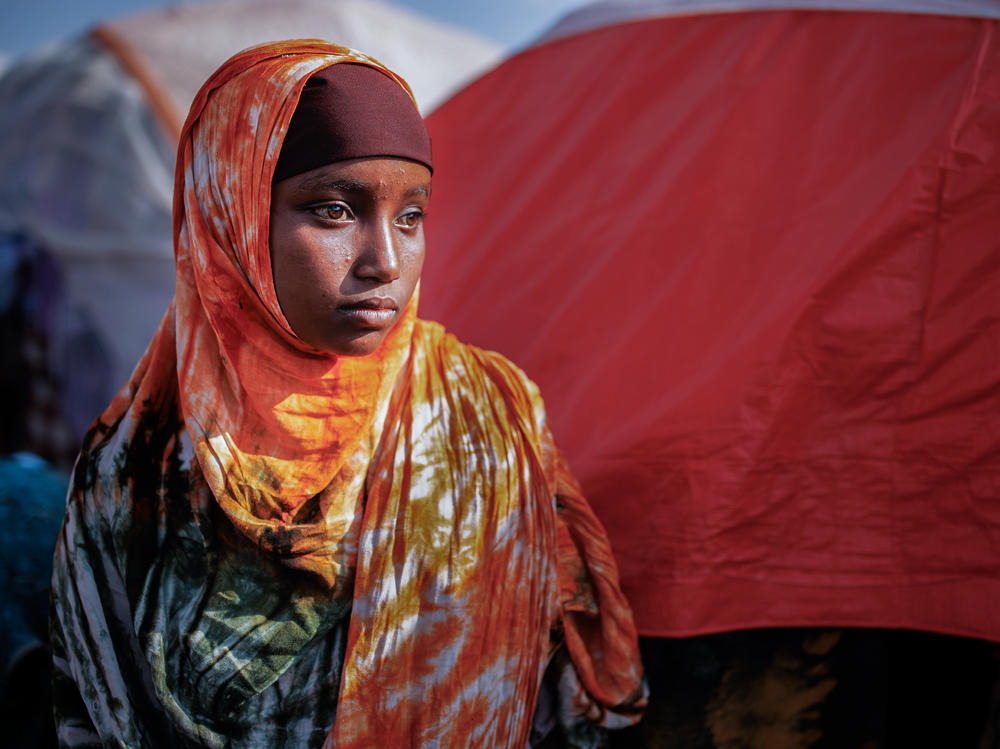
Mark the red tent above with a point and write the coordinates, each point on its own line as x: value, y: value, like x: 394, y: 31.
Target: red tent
x: 753, y: 261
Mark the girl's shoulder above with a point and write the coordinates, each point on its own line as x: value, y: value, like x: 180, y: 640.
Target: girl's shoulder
x: 472, y: 373
x: 433, y: 341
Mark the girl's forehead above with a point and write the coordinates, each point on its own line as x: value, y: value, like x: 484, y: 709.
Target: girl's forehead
x: 376, y: 177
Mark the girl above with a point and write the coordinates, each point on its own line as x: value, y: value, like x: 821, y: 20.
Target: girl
x: 311, y: 518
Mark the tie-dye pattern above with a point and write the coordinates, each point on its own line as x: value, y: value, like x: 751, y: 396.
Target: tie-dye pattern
x: 379, y: 551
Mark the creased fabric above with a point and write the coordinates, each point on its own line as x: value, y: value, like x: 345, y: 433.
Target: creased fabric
x: 266, y: 545
x: 759, y: 257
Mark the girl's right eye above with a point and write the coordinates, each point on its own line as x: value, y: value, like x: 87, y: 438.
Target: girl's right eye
x: 332, y: 212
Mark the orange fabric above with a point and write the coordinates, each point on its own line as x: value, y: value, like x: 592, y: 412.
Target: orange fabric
x: 419, y: 485
x: 465, y: 568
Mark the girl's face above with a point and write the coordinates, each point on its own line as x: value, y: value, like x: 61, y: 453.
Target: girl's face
x: 347, y: 247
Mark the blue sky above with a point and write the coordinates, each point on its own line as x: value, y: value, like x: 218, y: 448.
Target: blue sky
x: 26, y: 24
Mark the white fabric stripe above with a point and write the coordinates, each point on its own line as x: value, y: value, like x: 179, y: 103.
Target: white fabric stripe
x: 610, y: 12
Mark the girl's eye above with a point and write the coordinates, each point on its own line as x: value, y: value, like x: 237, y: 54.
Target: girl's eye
x: 332, y: 212
x: 410, y: 219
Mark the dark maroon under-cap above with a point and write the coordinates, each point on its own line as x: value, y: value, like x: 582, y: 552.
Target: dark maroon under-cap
x: 351, y: 111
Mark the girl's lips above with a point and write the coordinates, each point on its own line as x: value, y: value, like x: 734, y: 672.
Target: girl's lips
x: 374, y: 312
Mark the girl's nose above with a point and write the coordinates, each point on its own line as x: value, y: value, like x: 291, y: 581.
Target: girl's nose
x: 379, y: 259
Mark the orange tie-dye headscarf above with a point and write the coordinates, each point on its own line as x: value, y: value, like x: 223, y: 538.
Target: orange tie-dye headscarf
x: 418, y: 488
x: 273, y: 420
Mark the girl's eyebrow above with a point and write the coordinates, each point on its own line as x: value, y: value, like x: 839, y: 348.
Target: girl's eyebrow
x: 342, y: 184
x: 348, y: 185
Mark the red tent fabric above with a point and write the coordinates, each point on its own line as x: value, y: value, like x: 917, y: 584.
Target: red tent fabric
x: 753, y: 261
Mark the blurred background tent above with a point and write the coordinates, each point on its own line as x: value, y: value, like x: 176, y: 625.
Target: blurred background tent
x: 88, y: 131
x: 752, y: 258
